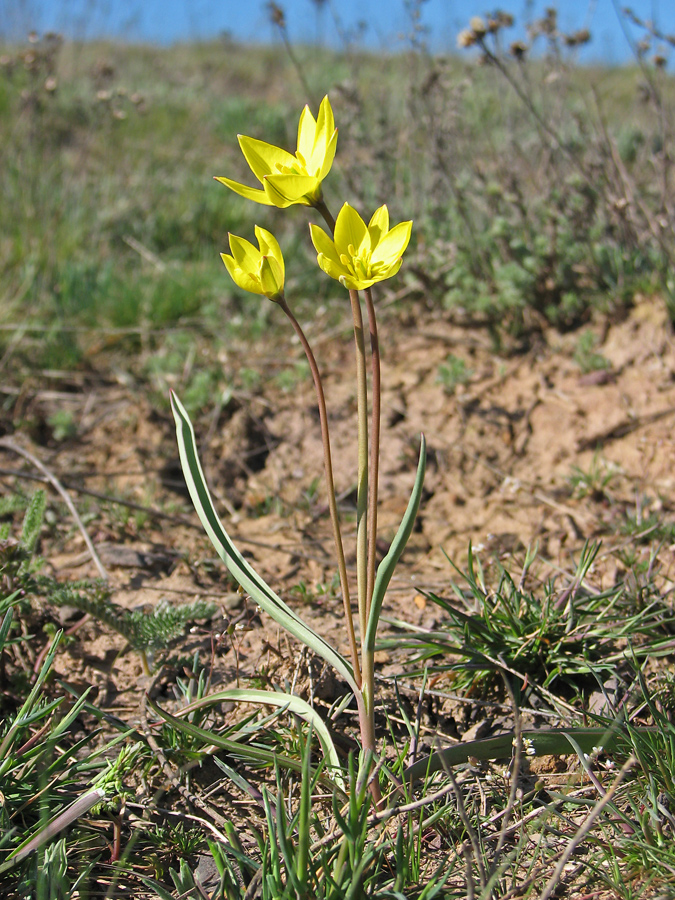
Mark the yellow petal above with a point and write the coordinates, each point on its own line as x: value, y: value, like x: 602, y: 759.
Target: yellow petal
x: 378, y: 225
x: 390, y: 271
x: 271, y: 278
x: 325, y: 124
x: 328, y: 157
x: 306, y: 133
x: 392, y: 245
x: 230, y: 264
x: 350, y: 229
x: 244, y: 253
x: 245, y: 280
x: 269, y: 246
x: 325, y: 141
x: 352, y: 283
x: 263, y: 158
x: 335, y: 269
x: 285, y: 190
x: 255, y: 194
x: 323, y: 243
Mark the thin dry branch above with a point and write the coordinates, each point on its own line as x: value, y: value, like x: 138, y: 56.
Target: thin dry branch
x: 10, y: 444
x: 585, y: 828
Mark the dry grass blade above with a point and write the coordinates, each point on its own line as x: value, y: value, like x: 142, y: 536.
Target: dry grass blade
x: 10, y: 444
x: 585, y: 829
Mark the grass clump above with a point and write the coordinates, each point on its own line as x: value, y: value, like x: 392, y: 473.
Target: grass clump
x: 550, y: 637
x: 44, y: 772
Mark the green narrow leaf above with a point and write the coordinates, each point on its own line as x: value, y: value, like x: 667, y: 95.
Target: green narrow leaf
x: 303, y: 814
x: 31, y: 699
x: 242, y: 751
x: 159, y: 890
x: 55, y: 825
x: 246, y: 576
x: 4, y: 628
x: 294, y: 704
x: 386, y: 568
x: 551, y: 742
x: 7, y: 603
x: 285, y: 843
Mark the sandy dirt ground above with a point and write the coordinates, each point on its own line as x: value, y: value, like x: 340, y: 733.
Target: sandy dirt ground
x: 527, y: 449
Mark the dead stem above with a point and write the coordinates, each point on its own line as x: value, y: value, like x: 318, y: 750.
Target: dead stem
x: 53, y: 480
x: 599, y: 807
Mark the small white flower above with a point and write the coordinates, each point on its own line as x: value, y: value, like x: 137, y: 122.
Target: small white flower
x: 528, y: 746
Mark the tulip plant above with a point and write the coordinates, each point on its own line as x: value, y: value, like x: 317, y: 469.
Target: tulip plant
x: 358, y: 256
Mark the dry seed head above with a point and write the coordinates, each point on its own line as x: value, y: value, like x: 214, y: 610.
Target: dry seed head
x: 276, y: 14
x: 477, y: 25
x: 518, y: 49
x: 466, y: 38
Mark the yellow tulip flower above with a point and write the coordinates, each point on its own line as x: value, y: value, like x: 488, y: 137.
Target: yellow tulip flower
x: 260, y: 271
x: 288, y: 179
x: 360, y: 255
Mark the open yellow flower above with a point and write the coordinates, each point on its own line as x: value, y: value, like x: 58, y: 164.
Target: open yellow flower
x: 360, y: 255
x: 260, y: 271
x: 288, y: 179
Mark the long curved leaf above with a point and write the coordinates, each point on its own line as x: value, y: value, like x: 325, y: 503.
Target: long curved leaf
x: 386, y: 568
x: 48, y: 831
x: 236, y: 748
x: 292, y: 703
x: 246, y: 576
x: 5, y: 626
x: 549, y: 742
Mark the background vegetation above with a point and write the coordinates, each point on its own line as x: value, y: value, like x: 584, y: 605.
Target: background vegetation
x: 542, y: 194
x: 540, y: 191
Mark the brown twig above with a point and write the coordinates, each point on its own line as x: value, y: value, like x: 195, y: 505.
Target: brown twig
x: 515, y: 775
x: 10, y: 444
x: 554, y: 881
x: 388, y: 813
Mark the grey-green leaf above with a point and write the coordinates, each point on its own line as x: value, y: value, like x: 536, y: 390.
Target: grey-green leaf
x: 549, y: 742
x: 245, y: 575
x: 236, y: 748
x: 293, y: 704
x: 386, y: 568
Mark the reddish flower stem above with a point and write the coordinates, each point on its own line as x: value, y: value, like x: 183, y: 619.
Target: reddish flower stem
x: 330, y: 485
x: 374, y: 445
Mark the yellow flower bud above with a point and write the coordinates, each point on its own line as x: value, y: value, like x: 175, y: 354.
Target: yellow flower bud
x: 259, y: 270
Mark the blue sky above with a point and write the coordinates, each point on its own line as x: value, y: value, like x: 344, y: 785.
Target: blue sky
x: 166, y: 21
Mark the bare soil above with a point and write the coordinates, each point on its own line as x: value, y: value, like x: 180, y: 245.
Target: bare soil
x: 503, y: 448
